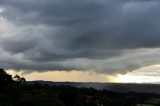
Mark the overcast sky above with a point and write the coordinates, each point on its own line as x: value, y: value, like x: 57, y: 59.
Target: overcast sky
x: 104, y: 36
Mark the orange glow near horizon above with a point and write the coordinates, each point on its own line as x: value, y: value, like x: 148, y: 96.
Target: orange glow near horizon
x: 148, y: 74
x: 73, y: 76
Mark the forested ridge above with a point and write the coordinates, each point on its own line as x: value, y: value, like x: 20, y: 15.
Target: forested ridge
x: 14, y: 91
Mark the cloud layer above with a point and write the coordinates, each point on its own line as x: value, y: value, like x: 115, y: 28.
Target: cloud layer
x: 105, y: 36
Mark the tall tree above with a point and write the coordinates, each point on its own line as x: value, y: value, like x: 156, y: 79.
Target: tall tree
x: 5, y: 78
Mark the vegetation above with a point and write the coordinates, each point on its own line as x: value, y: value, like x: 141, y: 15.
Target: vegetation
x: 14, y: 91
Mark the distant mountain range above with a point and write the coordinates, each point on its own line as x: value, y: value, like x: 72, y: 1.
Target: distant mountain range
x: 117, y: 87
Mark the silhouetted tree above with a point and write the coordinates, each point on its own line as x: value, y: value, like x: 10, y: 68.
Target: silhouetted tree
x: 5, y: 78
x: 22, y: 79
x: 19, y: 79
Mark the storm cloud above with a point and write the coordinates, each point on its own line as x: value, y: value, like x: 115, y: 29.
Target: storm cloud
x: 106, y: 36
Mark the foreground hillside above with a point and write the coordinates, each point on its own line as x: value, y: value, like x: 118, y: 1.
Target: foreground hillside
x: 19, y: 93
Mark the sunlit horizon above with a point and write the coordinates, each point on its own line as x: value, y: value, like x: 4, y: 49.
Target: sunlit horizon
x: 148, y: 74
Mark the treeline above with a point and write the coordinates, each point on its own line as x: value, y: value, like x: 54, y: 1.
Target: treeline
x: 14, y: 91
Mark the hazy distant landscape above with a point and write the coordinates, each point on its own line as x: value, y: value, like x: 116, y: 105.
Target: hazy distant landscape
x: 117, y: 87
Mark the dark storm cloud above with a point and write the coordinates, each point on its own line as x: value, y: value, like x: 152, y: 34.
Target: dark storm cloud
x: 80, y: 35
